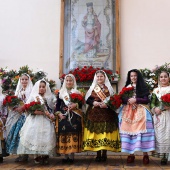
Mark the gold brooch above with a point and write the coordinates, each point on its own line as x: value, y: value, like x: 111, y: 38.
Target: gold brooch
x: 97, y: 89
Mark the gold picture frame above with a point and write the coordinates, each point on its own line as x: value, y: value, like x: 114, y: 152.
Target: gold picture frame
x: 102, y: 11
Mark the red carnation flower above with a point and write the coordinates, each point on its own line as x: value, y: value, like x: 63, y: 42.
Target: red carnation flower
x: 11, y: 101
x: 127, y: 92
x: 115, y: 102
x: 76, y: 98
x: 166, y: 99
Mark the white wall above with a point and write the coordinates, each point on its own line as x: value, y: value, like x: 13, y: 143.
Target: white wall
x: 145, y: 34
x: 29, y: 34
x: 30, y: 30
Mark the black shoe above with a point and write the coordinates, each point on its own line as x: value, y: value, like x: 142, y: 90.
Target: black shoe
x: 18, y: 158
x: 46, y: 160
x: 103, y: 158
x: 58, y: 154
x: 164, y: 161
x: 65, y: 160
x: 98, y: 159
x: 37, y: 160
x: 1, y: 159
x: 22, y: 158
x: 71, y: 161
x: 145, y: 159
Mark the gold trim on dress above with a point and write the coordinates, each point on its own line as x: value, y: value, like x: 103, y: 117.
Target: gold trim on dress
x: 99, y: 92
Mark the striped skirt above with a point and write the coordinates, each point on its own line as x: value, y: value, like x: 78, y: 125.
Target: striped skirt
x: 144, y: 142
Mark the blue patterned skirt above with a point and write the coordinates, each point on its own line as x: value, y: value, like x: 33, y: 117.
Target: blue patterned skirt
x: 12, y: 140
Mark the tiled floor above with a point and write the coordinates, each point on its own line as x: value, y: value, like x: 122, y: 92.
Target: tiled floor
x: 114, y: 162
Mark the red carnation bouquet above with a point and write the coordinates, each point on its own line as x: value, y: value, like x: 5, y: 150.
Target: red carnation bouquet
x: 76, y: 98
x: 115, y: 102
x: 127, y: 92
x: 33, y: 106
x: 11, y: 101
x: 166, y: 99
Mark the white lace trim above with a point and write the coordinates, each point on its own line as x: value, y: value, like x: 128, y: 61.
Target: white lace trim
x: 24, y: 150
x: 40, y: 148
x: 133, y: 133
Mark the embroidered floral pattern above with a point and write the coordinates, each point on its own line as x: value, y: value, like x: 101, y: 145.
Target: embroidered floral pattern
x: 68, y: 142
x: 100, y: 127
x: 93, y: 143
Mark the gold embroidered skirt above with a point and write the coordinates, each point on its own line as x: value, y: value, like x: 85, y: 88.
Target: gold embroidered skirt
x: 69, y: 143
x: 101, y: 141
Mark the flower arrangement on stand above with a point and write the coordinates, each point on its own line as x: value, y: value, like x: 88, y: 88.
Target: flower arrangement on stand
x: 9, y: 78
x: 52, y: 84
x: 115, y: 76
x: 158, y: 69
x: 151, y: 76
x: 86, y: 74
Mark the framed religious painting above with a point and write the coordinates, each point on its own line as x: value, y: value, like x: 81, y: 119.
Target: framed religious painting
x: 89, y: 34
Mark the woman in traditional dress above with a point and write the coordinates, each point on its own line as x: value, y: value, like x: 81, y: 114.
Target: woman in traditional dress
x: 161, y: 117
x: 101, y: 123
x: 16, y: 117
x: 135, y: 120
x: 37, y: 136
x: 69, y: 121
x: 3, y: 116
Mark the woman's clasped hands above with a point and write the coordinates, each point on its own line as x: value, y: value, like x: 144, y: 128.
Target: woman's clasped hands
x: 70, y: 107
x: 99, y: 104
x: 132, y: 101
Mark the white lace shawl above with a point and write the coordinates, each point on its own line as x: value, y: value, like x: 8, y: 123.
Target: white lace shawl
x: 19, y: 89
x: 107, y: 83
x: 63, y: 91
x: 48, y: 94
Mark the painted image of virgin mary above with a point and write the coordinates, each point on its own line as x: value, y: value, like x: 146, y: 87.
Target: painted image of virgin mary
x: 92, y: 29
